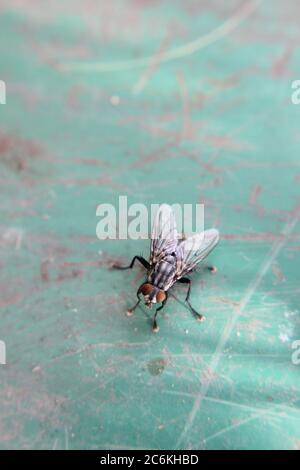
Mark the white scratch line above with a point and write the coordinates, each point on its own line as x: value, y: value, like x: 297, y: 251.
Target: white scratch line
x: 55, y: 444
x: 182, y: 51
x: 276, y: 413
x: 246, y: 355
x: 121, y: 447
x: 233, y: 426
x: 91, y: 358
x: 67, y: 438
x: 275, y: 250
x: 19, y: 240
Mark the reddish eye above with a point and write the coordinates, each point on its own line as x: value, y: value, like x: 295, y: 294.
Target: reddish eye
x: 161, y: 295
x: 146, y: 289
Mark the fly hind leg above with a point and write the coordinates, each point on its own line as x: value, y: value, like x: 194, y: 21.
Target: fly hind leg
x: 130, y: 266
x: 185, y: 280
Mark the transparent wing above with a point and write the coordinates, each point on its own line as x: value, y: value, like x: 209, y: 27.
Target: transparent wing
x: 164, y: 238
x: 193, y: 250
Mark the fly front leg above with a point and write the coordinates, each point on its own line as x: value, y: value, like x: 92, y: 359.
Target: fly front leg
x: 155, y: 327
x: 142, y: 260
x: 185, y: 280
x: 130, y: 311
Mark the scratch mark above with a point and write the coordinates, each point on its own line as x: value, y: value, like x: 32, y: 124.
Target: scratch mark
x: 55, y: 443
x: 187, y: 124
x: 153, y: 65
x: 44, y: 268
x: 277, y: 272
x: 122, y: 447
x: 233, y: 426
x: 277, y: 414
x: 225, y: 300
x: 254, y: 194
x: 90, y: 356
x: 187, y: 49
x: 66, y: 438
x: 272, y: 255
x: 280, y: 67
x: 259, y: 237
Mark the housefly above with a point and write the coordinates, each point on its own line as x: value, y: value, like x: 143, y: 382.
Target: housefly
x: 172, y: 257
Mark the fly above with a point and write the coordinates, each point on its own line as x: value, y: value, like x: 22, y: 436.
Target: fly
x: 172, y: 257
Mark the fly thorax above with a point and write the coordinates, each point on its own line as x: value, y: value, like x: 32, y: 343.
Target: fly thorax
x: 163, y: 272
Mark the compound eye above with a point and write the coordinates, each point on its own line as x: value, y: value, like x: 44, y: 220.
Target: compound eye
x: 161, y: 295
x: 146, y: 289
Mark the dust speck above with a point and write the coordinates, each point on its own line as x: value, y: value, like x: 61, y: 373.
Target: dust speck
x: 115, y: 100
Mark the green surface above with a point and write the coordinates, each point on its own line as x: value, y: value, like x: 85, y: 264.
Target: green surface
x: 214, y: 124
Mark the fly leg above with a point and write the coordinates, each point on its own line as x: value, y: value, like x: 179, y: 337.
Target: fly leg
x: 155, y: 327
x: 130, y: 266
x: 130, y: 311
x: 185, y: 280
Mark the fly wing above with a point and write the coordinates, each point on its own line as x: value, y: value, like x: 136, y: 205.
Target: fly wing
x: 193, y: 250
x: 164, y: 237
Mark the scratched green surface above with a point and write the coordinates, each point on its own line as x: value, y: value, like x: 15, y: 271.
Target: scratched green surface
x: 87, y: 119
